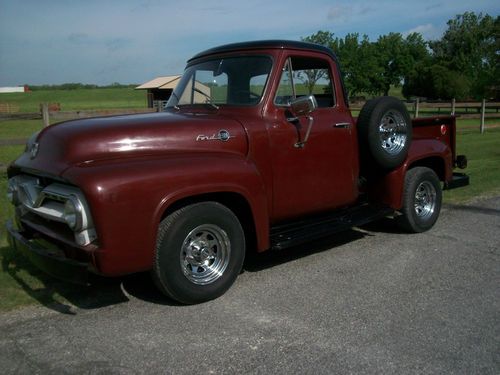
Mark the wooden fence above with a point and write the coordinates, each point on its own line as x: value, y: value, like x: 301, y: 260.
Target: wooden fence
x: 474, y: 110
x: 50, y: 117
x: 467, y: 110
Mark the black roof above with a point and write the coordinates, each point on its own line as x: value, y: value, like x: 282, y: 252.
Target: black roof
x: 259, y: 44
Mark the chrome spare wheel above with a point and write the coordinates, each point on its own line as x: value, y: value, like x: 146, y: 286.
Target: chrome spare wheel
x: 205, y: 254
x: 425, y: 199
x: 393, y: 132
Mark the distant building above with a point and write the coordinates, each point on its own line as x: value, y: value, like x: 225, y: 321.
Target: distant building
x: 4, y: 90
x: 159, y: 90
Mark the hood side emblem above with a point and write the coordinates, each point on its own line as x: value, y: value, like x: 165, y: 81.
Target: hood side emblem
x: 34, y: 150
x: 223, y: 136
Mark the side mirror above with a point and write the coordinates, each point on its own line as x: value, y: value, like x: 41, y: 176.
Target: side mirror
x: 304, y: 105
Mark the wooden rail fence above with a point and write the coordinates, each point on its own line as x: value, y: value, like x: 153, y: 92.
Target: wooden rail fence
x: 467, y: 110
x: 473, y: 110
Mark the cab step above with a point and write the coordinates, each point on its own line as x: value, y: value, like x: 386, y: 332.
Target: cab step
x: 293, y: 233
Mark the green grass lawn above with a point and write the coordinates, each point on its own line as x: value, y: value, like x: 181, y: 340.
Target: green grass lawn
x: 16, y: 129
x: 8, y: 154
x: 22, y: 284
x: 483, y: 154
x: 79, y: 99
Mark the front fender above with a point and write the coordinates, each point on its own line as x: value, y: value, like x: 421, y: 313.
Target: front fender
x: 128, y: 199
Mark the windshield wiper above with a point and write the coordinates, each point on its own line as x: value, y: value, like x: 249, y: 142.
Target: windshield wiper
x: 208, y: 98
x: 175, y: 106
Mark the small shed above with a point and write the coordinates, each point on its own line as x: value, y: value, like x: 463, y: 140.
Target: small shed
x: 159, y: 90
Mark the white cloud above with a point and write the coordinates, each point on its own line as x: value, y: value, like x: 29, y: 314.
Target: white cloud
x: 428, y: 31
x: 339, y: 12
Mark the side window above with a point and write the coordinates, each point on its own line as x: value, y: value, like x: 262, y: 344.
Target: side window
x: 305, y: 76
x: 285, y: 89
x: 257, y: 84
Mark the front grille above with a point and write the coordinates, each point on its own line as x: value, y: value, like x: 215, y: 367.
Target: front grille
x: 53, y: 202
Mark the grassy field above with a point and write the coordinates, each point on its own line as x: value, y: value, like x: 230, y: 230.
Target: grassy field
x: 22, y: 284
x: 18, y: 129
x: 79, y: 99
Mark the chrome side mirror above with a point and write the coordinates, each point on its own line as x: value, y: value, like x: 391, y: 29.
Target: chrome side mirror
x: 303, y: 106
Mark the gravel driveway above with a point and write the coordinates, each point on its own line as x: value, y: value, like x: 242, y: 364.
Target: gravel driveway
x: 368, y: 301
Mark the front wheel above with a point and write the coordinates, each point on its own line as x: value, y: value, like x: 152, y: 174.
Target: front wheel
x: 422, y: 199
x: 199, y: 252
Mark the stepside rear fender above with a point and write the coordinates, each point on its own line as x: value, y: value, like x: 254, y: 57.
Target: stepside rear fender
x: 432, y: 153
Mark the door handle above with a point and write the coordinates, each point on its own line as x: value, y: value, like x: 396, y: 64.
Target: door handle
x: 343, y: 125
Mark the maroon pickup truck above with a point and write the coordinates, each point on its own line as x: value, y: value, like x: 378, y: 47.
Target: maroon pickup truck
x: 255, y: 150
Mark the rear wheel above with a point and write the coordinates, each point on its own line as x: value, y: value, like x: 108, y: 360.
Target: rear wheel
x: 421, y: 200
x: 199, y: 252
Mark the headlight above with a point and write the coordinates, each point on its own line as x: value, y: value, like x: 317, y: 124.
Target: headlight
x: 31, y: 140
x: 12, y: 192
x: 73, y: 213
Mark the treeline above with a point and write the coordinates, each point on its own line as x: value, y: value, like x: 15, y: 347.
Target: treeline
x: 463, y: 64
x: 78, y: 86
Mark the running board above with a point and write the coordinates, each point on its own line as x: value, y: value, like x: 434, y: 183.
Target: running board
x: 305, y: 230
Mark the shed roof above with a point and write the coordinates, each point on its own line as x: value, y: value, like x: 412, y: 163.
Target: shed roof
x: 167, y: 82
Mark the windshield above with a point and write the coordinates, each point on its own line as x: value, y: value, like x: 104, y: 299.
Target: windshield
x: 226, y: 81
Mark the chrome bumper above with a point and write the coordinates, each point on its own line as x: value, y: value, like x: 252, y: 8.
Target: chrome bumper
x: 48, y: 260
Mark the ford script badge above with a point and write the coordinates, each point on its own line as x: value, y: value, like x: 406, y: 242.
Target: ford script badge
x: 223, y: 136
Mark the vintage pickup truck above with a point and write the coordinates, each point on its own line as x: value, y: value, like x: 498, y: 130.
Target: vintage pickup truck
x: 256, y: 149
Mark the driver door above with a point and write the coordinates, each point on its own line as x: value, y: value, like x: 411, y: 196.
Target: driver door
x: 321, y: 175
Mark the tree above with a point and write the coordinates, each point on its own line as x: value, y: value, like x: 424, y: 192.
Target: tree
x: 324, y: 38
x: 470, y: 46
x: 372, y: 68
x: 357, y: 59
x: 393, y: 59
x: 436, y: 82
x: 464, y: 63
x: 363, y: 73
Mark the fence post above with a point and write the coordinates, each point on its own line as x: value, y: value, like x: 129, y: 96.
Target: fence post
x: 45, y: 114
x: 453, y: 107
x: 417, y: 104
x: 483, y: 110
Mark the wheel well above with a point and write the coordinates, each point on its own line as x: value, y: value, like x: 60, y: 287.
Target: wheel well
x: 435, y: 163
x: 234, y: 201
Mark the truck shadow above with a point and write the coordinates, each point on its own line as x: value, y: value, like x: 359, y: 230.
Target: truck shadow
x: 255, y: 262
x: 384, y: 225
x: 67, y: 298
x: 476, y: 209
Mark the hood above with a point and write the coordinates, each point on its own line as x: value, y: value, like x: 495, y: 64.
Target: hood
x: 87, y: 140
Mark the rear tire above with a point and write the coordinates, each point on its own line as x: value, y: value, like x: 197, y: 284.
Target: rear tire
x: 199, y: 252
x: 422, y: 200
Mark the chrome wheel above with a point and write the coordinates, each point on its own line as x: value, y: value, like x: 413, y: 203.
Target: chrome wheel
x: 205, y: 254
x: 425, y: 199
x: 393, y: 132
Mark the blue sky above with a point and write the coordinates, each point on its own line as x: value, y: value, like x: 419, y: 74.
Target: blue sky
x: 132, y: 41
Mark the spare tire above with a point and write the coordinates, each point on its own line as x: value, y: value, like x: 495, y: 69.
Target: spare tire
x: 384, y: 129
